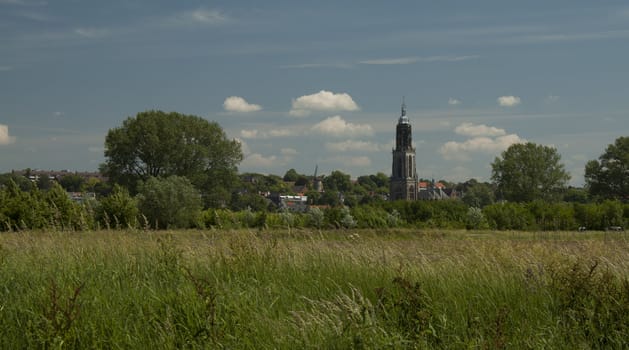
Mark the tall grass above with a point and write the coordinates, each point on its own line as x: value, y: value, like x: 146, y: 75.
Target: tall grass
x: 313, y: 289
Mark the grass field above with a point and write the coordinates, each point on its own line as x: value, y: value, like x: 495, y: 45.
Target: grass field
x: 310, y: 289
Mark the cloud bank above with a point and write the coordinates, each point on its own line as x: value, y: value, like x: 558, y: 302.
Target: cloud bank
x: 484, y: 139
x: 351, y: 145
x: 239, y: 104
x: 469, y: 129
x: 322, y: 101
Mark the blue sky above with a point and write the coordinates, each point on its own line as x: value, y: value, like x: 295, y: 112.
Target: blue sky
x: 307, y: 83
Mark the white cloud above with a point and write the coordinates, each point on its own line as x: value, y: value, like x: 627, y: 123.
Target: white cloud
x: 454, y: 101
x: 453, y: 150
x: 288, y: 152
x: 257, y: 134
x: 200, y: 16
x: 469, y: 129
x: 5, y: 138
x: 317, y: 65
x: 508, y: 101
x: 249, y: 134
x: 258, y: 160
x: 417, y: 59
x: 239, y: 104
x: 91, y: 33
x: 387, y: 61
x: 207, y: 16
x: 337, y: 126
x: 280, y: 133
x: 351, y: 145
x: 322, y: 101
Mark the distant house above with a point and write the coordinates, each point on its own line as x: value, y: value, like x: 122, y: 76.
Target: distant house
x: 81, y: 197
x: 432, y: 191
x: 297, y: 203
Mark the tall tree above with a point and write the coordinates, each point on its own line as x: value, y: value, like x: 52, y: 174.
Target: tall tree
x: 159, y: 144
x: 527, y: 171
x: 338, y: 181
x: 608, y: 177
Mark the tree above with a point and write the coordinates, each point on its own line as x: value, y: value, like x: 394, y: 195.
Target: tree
x: 291, y: 175
x: 478, y: 194
x: 338, y: 181
x: 609, y: 176
x: 44, y: 182
x: 159, y: 144
x: 72, y: 182
x: 529, y: 171
x: 21, y: 181
x: 170, y: 202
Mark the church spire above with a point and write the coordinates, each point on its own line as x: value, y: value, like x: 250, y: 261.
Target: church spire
x: 403, y: 118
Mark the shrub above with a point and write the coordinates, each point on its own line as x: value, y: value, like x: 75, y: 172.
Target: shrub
x: 170, y: 202
x: 118, y: 210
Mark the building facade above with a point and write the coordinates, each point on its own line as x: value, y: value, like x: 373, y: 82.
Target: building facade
x: 403, y: 182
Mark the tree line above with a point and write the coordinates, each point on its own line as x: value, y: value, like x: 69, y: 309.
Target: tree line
x: 169, y: 170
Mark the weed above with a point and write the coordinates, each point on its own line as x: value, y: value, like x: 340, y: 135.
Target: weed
x: 58, y: 316
x: 206, y: 292
x: 408, y: 308
x: 593, y: 304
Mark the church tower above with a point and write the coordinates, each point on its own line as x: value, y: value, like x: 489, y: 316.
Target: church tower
x: 403, y: 182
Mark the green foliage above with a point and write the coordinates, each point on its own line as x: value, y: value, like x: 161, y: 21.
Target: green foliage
x: 608, y: 177
x: 72, y: 182
x: 526, y: 172
x: 64, y: 213
x: 159, y: 144
x: 508, y: 216
x: 478, y: 195
x: 53, y: 209
x: 170, y: 202
x: 44, y: 182
x: 347, y: 220
x: 316, y: 217
x: 593, y: 304
x: 291, y: 175
x: 21, y: 181
x: 253, y: 201
x: 407, y: 307
x: 367, y: 216
x: 475, y: 219
x: 118, y: 210
x: 337, y: 181
x: 243, y: 289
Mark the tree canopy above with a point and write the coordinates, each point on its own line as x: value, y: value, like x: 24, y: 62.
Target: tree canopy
x: 608, y: 177
x: 160, y: 144
x: 527, y: 171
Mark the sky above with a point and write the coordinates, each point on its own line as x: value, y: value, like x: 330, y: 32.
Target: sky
x: 320, y: 83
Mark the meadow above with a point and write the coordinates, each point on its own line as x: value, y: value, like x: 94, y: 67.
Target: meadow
x: 311, y: 289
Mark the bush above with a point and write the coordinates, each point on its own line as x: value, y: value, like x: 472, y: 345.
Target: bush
x: 170, y: 202
x: 118, y: 210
